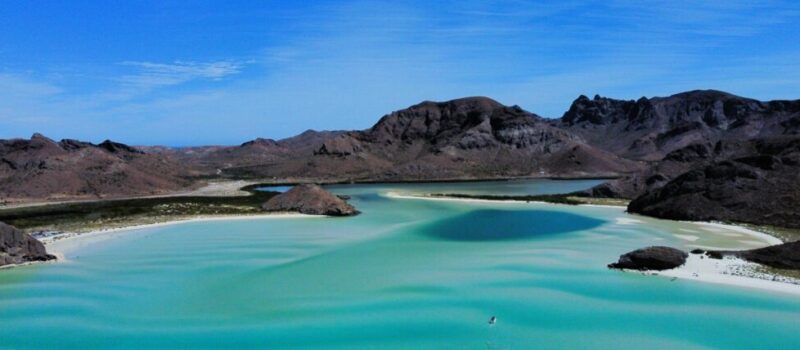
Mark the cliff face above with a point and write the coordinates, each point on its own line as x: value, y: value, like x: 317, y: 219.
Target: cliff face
x: 310, y: 199
x: 41, y: 168
x: 17, y: 247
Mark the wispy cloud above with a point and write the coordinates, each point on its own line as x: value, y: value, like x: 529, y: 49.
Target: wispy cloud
x: 343, y: 64
x: 151, y: 75
x: 16, y: 85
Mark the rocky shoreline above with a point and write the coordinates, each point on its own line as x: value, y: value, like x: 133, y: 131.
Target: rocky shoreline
x: 17, y: 247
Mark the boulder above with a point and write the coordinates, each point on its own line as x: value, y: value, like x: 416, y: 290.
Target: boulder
x: 651, y: 258
x: 310, y: 199
x: 18, y: 247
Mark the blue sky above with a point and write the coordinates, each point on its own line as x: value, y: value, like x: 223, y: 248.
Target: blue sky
x: 223, y: 72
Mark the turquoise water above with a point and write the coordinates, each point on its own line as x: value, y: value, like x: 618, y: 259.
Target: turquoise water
x: 406, y: 274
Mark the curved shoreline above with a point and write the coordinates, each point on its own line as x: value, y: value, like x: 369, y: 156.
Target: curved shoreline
x: 57, y: 245
x: 729, y: 271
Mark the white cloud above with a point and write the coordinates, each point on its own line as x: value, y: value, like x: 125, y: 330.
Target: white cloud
x: 152, y: 75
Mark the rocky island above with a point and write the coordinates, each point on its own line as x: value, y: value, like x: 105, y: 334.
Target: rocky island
x: 651, y: 258
x: 310, y: 199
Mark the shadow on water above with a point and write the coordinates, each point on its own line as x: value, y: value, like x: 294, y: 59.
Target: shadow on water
x: 505, y: 225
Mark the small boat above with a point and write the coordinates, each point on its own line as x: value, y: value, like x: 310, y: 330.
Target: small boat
x: 492, y: 320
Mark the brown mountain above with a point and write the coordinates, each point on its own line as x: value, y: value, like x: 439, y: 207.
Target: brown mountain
x: 651, y: 128
x: 474, y: 137
x: 676, y: 133
x: 235, y: 160
x: 40, y: 168
x: 673, y: 152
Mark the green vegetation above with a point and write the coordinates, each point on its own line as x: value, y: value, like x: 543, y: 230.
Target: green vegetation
x: 101, y: 214
x: 617, y: 202
x: 549, y: 198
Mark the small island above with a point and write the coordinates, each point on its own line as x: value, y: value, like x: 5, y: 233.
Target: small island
x: 309, y: 199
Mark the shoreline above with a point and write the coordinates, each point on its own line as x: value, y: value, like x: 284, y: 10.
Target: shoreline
x: 211, y: 189
x: 392, y: 194
x: 733, y: 272
x: 240, y: 187
x: 727, y: 271
x: 56, y: 244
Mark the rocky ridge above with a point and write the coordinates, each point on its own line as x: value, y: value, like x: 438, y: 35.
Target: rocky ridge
x: 40, y: 168
x: 473, y: 137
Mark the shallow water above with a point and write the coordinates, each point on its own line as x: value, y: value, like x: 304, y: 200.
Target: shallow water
x: 407, y: 273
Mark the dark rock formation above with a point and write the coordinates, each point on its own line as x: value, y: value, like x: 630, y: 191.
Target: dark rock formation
x: 712, y: 155
x: 17, y: 247
x: 651, y: 258
x: 760, y: 184
x: 310, y: 199
x: 782, y: 256
x: 650, y: 128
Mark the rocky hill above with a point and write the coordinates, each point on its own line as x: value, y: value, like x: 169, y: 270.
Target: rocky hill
x: 310, y: 199
x: 234, y: 161
x: 759, y: 183
x: 651, y: 128
x: 474, y: 137
x: 678, y: 133
x: 40, y: 168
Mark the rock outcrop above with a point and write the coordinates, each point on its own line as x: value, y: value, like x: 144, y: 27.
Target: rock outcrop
x: 782, y: 256
x: 17, y: 247
x: 758, y: 184
x: 310, y: 199
x: 651, y: 258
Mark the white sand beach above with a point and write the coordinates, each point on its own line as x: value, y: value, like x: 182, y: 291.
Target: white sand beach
x: 731, y: 271
x: 59, y: 244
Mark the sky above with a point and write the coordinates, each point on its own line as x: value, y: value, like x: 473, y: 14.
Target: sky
x: 184, y: 73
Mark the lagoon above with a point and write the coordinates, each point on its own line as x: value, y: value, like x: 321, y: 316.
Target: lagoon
x: 406, y: 274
